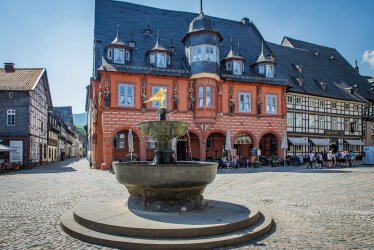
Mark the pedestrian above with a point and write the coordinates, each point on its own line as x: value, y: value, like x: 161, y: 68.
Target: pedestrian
x: 329, y: 159
x: 319, y: 160
x: 311, y: 159
x: 351, y: 158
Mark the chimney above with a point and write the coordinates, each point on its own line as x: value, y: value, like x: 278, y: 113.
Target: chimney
x: 9, y: 67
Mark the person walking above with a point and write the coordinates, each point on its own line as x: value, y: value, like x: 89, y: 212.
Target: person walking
x: 329, y: 159
x: 311, y: 159
x: 319, y: 160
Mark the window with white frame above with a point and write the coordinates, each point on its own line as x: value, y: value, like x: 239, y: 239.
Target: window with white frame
x: 119, y: 56
x: 321, y: 103
x: 204, y: 52
x: 261, y: 69
x: 201, y: 97
x: 356, y: 125
x: 271, y: 104
x: 11, y: 117
x: 312, y: 102
x: 334, y: 105
x: 155, y: 89
x: 312, y: 121
x: 299, y: 120
x: 298, y: 100
x: 356, y: 107
x: 346, y: 106
x: 208, y: 99
x: 290, y: 119
x: 152, y: 58
x: 244, y: 102
x: 161, y: 60
x: 119, y: 140
x: 321, y: 122
x: 270, y: 70
x: 290, y: 99
x: 110, y: 54
x: 346, y: 124
x: 228, y: 66
x: 126, y: 95
x: 237, y: 67
x: 334, y: 123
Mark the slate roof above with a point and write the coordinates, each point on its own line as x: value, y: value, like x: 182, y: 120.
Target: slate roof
x: 66, y: 113
x: 329, y: 65
x: 20, y: 79
x: 133, y: 17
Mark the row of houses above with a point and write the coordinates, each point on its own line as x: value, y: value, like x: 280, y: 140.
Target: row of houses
x: 220, y: 75
x: 37, y: 132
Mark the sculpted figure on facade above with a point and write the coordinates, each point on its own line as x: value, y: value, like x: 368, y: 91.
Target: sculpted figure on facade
x: 107, y: 97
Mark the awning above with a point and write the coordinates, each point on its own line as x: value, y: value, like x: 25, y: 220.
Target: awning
x: 4, y: 148
x: 355, y: 142
x: 243, y: 140
x: 320, y: 142
x: 298, y: 141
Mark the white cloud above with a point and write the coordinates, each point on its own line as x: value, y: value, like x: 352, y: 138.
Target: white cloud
x: 368, y: 57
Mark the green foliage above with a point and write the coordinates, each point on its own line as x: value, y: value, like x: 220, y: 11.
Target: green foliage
x: 81, y: 131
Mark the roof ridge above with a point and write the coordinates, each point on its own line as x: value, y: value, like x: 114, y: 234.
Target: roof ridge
x: 314, y: 44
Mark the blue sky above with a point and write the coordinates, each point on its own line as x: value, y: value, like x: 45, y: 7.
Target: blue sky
x: 58, y: 34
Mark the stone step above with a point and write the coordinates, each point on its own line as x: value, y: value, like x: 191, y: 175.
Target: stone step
x: 112, y: 215
x: 71, y: 227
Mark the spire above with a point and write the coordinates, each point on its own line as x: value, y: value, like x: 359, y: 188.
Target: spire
x: 238, y: 48
x: 158, y: 38
x: 231, y: 42
x: 171, y: 38
x: 356, y: 67
x: 147, y: 31
x: 132, y: 42
x: 261, y: 56
x: 117, y: 40
x: 201, y: 7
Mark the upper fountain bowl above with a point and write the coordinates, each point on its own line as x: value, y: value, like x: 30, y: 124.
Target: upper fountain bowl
x: 163, y: 130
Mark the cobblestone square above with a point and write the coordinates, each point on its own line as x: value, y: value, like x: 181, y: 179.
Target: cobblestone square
x: 312, y: 209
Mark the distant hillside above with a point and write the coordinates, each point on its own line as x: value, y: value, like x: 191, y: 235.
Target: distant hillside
x: 80, y: 119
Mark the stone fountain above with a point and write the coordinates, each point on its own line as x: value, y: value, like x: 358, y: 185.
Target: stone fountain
x: 166, y: 208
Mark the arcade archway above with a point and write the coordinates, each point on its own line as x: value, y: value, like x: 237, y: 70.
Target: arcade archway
x: 121, y: 146
x: 269, y: 145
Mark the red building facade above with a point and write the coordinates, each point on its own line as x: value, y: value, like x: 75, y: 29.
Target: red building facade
x: 209, y: 94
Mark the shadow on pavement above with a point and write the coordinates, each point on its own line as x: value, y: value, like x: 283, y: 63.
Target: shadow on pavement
x: 299, y: 169
x: 54, y: 167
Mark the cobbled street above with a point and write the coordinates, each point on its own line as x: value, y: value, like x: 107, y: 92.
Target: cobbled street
x: 312, y: 209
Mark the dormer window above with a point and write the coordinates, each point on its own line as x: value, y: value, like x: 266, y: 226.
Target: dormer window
x: 237, y: 68
x: 119, y: 56
x: 269, y: 70
x: 110, y: 53
x: 204, y: 52
x: 228, y: 66
x: 265, y: 64
x: 159, y: 59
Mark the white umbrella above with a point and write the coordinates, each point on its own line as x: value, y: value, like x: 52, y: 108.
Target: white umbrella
x: 228, y: 144
x: 174, y: 146
x: 131, y: 143
x: 4, y: 148
x: 284, y: 145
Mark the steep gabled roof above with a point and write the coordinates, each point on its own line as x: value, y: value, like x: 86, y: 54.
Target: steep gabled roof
x: 314, y: 74
x: 336, y: 67
x: 20, y: 79
x: 108, y: 13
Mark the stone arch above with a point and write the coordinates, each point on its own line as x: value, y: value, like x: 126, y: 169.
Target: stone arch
x: 188, y: 147
x: 269, y: 144
x: 119, y: 144
x: 215, y: 142
x: 244, y: 142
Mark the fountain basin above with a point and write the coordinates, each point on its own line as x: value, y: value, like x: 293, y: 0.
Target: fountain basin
x: 166, y: 187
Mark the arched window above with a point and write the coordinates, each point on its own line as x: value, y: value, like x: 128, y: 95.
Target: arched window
x: 11, y: 117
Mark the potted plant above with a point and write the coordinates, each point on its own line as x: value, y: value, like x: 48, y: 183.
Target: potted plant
x: 257, y: 162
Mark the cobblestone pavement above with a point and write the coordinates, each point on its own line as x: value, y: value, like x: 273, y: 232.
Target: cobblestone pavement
x: 313, y: 209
